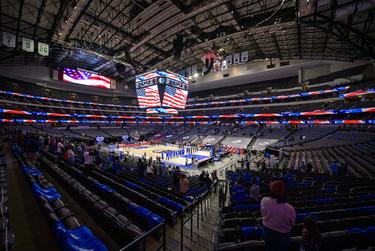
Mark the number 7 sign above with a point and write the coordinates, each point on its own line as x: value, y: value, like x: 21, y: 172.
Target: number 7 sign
x: 9, y: 40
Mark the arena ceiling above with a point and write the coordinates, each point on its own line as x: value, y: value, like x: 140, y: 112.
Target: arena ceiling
x: 122, y: 37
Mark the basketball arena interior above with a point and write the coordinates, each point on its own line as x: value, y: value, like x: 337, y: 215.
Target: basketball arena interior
x: 191, y: 125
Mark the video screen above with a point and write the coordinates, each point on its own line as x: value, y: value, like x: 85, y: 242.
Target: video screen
x: 148, y: 96
x: 162, y: 89
x: 174, y: 97
x: 82, y: 77
x: 176, y: 91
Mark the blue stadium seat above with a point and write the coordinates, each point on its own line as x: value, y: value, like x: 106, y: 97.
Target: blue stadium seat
x: 249, y: 232
x: 172, y: 204
x: 50, y: 194
x: 78, y: 239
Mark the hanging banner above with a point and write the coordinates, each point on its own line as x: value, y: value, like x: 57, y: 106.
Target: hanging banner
x: 229, y: 60
x: 9, y: 40
x: 27, y: 44
x: 244, y: 56
x: 236, y: 58
x: 224, y: 65
x: 43, y: 49
x: 216, y: 67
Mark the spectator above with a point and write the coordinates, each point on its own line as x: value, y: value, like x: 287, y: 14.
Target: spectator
x: 201, y: 177
x: 254, y: 190
x: 343, y: 169
x: 176, y: 178
x: 32, y: 147
x: 309, y: 167
x: 278, y: 218
x: 60, y: 149
x: 303, y: 167
x: 215, y: 180
x: 207, y: 181
x: 311, y: 239
x: 69, y: 155
x: 140, y: 167
x: 184, y: 183
x: 98, y: 160
x: 87, y: 159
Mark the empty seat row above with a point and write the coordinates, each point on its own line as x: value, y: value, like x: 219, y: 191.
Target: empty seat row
x: 120, y: 228
x: 140, y: 215
x: 7, y: 236
x: 70, y: 234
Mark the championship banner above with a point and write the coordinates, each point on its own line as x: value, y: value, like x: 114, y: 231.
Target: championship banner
x: 43, y: 49
x: 216, y: 67
x: 27, y: 44
x: 244, y: 56
x: 236, y: 58
x: 229, y: 60
x: 224, y: 65
x: 9, y: 40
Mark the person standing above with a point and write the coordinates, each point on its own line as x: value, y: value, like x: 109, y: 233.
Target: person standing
x: 311, y: 238
x: 60, y: 149
x: 184, y: 183
x: 254, y: 190
x: 278, y: 218
x: 88, y: 160
x: 70, y: 155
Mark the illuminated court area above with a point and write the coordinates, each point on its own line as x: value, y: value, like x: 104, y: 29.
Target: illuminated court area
x: 159, y: 150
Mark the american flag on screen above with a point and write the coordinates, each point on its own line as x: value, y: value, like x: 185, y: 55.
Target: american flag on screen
x: 148, y: 96
x: 86, y: 78
x: 174, y: 97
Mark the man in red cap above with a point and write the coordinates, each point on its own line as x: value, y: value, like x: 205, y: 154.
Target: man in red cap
x: 278, y: 218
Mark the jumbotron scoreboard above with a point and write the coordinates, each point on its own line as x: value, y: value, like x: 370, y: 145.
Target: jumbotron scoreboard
x: 163, y: 91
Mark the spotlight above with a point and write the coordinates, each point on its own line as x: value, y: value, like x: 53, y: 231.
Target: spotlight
x: 190, y: 77
x: 195, y: 75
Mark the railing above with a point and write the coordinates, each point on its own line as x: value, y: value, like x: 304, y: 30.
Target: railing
x: 138, y: 241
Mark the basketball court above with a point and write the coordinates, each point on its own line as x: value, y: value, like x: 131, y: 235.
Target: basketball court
x: 159, y: 150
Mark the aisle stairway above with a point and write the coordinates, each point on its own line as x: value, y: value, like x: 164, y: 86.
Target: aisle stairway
x: 203, y: 237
